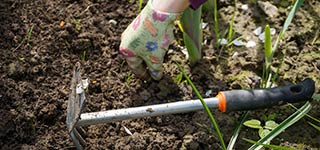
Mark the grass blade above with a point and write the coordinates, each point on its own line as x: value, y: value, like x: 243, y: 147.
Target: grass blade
x: 215, y: 18
x: 293, y: 11
x: 213, y: 121
x: 267, y: 45
x: 230, y: 32
x: 283, y: 125
x: 313, y: 118
x: 236, y: 132
x: 276, y: 147
x: 29, y: 35
x: 140, y: 5
x: 268, y: 58
x: 315, y: 126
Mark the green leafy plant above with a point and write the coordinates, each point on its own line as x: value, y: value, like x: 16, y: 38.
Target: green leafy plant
x: 263, y: 130
x: 192, y: 33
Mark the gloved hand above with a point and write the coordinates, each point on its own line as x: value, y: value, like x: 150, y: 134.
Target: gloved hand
x: 146, y: 40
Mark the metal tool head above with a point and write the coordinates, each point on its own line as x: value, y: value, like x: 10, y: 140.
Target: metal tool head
x: 75, y: 104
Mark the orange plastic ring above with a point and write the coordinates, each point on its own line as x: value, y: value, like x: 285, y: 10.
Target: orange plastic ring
x: 222, y: 102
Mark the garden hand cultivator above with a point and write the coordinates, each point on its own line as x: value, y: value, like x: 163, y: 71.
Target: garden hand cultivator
x: 225, y: 101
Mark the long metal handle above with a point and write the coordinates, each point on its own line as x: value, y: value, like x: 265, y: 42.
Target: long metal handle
x: 144, y: 111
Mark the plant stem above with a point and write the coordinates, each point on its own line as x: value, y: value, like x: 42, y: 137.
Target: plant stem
x: 214, y: 123
x: 216, y: 25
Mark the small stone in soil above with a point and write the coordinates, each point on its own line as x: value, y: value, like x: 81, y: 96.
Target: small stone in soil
x: 223, y: 41
x: 238, y: 43
x: 269, y: 9
x: 251, y: 44
x: 257, y: 31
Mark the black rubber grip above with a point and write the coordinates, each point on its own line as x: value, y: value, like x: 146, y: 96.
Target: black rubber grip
x: 237, y: 100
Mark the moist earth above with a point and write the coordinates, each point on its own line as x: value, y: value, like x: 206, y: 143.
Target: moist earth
x: 41, y: 41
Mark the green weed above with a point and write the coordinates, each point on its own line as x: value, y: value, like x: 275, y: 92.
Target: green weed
x: 29, y: 35
x: 83, y: 56
x: 77, y: 22
x: 26, y: 38
x: 262, y: 130
x: 128, y: 78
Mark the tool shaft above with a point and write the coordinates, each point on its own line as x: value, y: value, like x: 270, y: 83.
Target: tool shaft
x: 145, y: 111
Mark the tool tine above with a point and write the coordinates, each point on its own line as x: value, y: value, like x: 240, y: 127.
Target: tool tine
x: 80, y: 138
x: 77, y: 140
x: 81, y: 131
x: 76, y: 100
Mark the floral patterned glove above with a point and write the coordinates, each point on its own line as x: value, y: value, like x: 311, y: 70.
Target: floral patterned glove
x: 146, y: 40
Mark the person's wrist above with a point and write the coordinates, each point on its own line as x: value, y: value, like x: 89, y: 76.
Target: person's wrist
x: 170, y: 6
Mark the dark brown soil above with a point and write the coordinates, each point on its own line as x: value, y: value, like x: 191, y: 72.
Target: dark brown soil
x: 41, y: 40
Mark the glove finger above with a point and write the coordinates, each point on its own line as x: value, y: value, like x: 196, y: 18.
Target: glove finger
x: 154, y: 63
x: 136, y: 65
